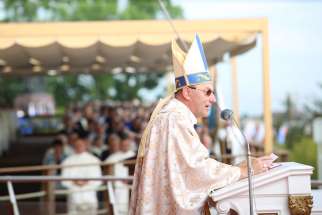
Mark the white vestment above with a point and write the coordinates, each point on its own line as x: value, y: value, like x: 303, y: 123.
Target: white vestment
x: 121, y: 189
x: 175, y: 175
x: 81, y: 199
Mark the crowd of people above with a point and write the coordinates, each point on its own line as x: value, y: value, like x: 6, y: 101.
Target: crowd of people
x: 96, y: 133
x: 107, y: 129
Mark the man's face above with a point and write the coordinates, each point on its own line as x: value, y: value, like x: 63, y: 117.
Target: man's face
x: 125, y: 145
x: 202, y: 97
x: 80, y: 146
x: 58, y: 150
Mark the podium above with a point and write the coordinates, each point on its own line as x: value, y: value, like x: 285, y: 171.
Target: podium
x: 283, y: 190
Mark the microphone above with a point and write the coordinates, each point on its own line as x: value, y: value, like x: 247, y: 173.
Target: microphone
x: 228, y: 115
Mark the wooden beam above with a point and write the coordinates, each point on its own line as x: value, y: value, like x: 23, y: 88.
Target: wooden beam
x: 234, y: 89
x: 119, y: 28
x: 268, y: 141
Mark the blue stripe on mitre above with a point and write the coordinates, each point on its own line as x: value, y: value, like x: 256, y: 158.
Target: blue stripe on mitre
x: 180, y: 82
x: 198, y: 78
x: 202, y: 52
x: 193, y: 79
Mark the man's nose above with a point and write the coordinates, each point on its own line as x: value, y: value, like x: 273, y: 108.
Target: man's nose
x: 212, y: 98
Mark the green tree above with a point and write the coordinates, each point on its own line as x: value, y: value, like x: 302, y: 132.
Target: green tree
x: 23, y: 10
x: 305, y: 151
x: 131, y: 83
x: 288, y: 115
x: 294, y: 135
x: 54, y: 10
x: 290, y: 108
x: 76, y: 10
x: 10, y: 88
x: 315, y: 109
x: 69, y: 88
x: 143, y: 9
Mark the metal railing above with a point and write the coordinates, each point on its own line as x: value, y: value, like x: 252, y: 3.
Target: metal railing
x: 49, y: 192
x: 316, y: 184
x: 56, y: 167
x: 50, y: 178
x: 30, y: 179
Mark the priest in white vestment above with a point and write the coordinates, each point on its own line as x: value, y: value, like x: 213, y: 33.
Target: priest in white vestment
x: 173, y: 173
x: 121, y: 188
x: 82, y: 199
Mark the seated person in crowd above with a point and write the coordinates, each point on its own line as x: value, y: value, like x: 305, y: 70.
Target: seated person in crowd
x: 98, y: 147
x: 113, y: 145
x: 82, y: 199
x: 118, y: 168
x: 55, y: 154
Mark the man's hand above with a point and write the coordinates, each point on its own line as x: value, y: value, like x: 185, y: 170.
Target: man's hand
x: 80, y: 182
x: 259, y: 165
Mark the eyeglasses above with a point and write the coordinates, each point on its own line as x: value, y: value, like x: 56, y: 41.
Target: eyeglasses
x: 207, y: 92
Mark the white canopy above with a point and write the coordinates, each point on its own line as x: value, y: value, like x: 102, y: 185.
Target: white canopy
x: 136, y: 46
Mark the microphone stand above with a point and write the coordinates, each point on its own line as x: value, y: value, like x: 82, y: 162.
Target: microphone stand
x: 250, y: 171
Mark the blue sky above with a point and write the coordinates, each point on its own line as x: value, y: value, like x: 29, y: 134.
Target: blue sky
x: 295, y: 34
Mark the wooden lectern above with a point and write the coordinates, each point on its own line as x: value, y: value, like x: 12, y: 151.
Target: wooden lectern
x: 283, y: 190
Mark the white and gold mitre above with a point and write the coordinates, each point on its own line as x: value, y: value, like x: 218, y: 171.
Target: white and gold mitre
x: 190, y: 68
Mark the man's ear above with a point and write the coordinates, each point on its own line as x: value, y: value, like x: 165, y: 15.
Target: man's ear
x: 186, y: 93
